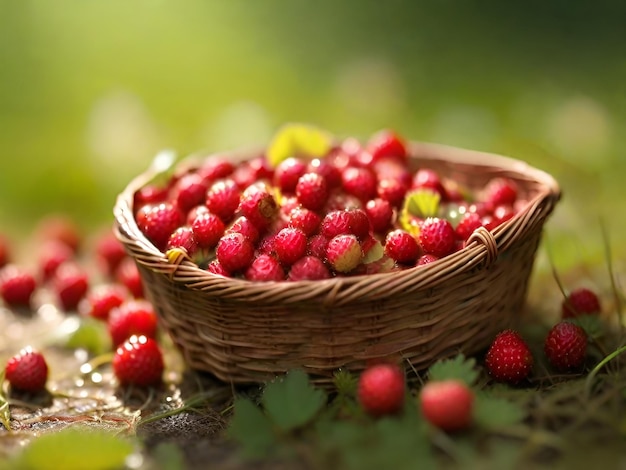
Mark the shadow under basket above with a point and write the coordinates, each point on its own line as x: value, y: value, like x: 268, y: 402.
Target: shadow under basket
x: 247, y: 332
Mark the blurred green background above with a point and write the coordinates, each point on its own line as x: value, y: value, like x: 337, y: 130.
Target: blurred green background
x: 91, y: 90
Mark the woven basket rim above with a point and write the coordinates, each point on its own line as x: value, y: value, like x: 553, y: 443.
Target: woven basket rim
x: 482, y: 248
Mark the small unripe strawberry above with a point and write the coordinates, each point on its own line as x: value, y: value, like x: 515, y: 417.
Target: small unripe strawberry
x: 344, y: 253
x: 447, y: 404
x: 381, y: 389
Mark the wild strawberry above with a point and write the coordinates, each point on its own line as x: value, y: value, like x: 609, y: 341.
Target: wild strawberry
x: 133, y: 317
x: 251, y: 172
x: 265, y: 268
x: 401, y: 247
x: 215, y: 267
x: 386, y: 143
x: 150, y: 195
x: 344, y: 253
x: 312, y: 191
x: 381, y: 389
x: 392, y: 190
x: 360, y: 182
x: 447, y: 404
x: 287, y: 174
x: 53, y: 254
x: 290, y: 245
x: 207, y: 230
x: 259, y: 206
x: 158, y: 222
x: 503, y: 213
x: 308, y: 268
x: 437, y: 237
x: 234, y: 252
x: 127, y: 274
x: 266, y: 245
x: 341, y: 201
x: 581, y: 301
x: 426, y: 259
x: 223, y: 198
x: 391, y: 168
x: 183, y: 237
x: 324, y: 168
x: 566, y: 346
x: 27, y: 371
x: 466, y: 226
x: 17, y: 285
x: 509, y: 359
x: 4, y: 251
x: 110, y: 252
x: 317, y: 246
x: 138, y: 361
x: 60, y: 228
x: 189, y: 191
x: 196, y: 211
x: 360, y: 224
x: 338, y: 222
x: 426, y: 178
x: 380, y: 214
x: 70, y: 284
x: 305, y: 220
x: 99, y: 301
x: 215, y: 168
x: 500, y: 191
x: 244, y: 226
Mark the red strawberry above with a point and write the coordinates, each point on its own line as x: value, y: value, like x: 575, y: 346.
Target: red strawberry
x: 447, y: 404
x: 128, y: 275
x: 380, y: 214
x: 265, y: 268
x: 426, y: 178
x: 581, y: 301
x: 189, y: 191
x: 437, y: 237
x: 134, y: 317
x: 183, y: 237
x: 53, y: 254
x: 215, y: 168
x: 500, y: 191
x: 509, y: 359
x: 308, y: 268
x: 99, y: 302
x: 150, y: 194
x: 259, y: 206
x: 138, y: 361
x: 381, y: 389
x: 70, y: 283
x: 60, y: 228
x: 207, y: 229
x: 158, y: 222
x: 17, y: 285
x: 290, y: 245
x: 325, y: 168
x: 305, y: 220
x: 244, y: 226
x: 566, y: 346
x: 386, y: 143
x: 360, y: 182
x: 288, y: 172
x: 392, y: 190
x: 222, y: 199
x: 401, y: 247
x: 234, y: 252
x: 344, y: 253
x: 27, y: 371
x: 312, y: 191
x: 110, y: 252
x: 466, y: 226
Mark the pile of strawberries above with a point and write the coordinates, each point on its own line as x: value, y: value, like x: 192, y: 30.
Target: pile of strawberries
x: 111, y: 293
x: 347, y: 209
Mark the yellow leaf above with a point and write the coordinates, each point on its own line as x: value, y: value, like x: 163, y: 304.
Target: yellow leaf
x: 300, y: 140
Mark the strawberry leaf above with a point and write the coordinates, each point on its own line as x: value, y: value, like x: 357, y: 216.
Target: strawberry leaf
x: 169, y: 456
x: 75, y: 447
x: 592, y: 324
x: 422, y: 203
x: 92, y: 335
x: 375, y: 253
x: 298, y: 140
x: 495, y: 413
x: 458, y: 367
x: 292, y: 401
x: 251, y: 428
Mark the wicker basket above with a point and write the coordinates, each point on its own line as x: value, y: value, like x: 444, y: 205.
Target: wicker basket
x: 245, y: 332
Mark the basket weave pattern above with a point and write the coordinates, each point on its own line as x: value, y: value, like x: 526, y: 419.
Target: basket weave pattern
x: 245, y: 332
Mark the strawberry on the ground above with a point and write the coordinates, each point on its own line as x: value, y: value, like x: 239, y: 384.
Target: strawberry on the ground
x: 381, y: 389
x: 509, y: 359
x: 344, y: 253
x: 580, y: 301
x: 17, y: 285
x: 447, y: 404
x: 110, y: 252
x: 53, y: 254
x: 61, y: 228
x: 437, y: 237
x: 566, y: 346
x: 308, y: 268
x: 133, y: 317
x: 128, y: 275
x: 100, y: 300
x: 70, y: 284
x: 27, y: 371
x: 138, y: 361
x: 402, y: 247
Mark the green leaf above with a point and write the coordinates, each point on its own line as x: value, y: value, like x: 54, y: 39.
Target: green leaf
x: 92, y: 335
x: 422, y: 203
x: 375, y: 253
x: 75, y: 448
x: 593, y: 325
x: 457, y: 367
x: 345, y: 382
x: 298, y: 140
x: 251, y: 429
x: 168, y: 456
x: 292, y: 401
x: 496, y: 413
